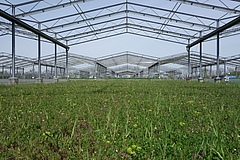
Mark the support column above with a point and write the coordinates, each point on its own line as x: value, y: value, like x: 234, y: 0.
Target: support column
x: 200, y: 79
x: 51, y: 71
x: 218, y: 79
x: 236, y: 69
x: 2, y: 72
x: 159, y: 64
x: 189, y: 62
x: 23, y: 73
x: 95, y: 76
x: 55, y: 62
x: 205, y: 71
x: 33, y: 71
x: 13, y: 79
x: 66, y: 69
x: 210, y: 72
x: 225, y: 67
x: 195, y: 73
x: 46, y: 75
x: 39, y: 78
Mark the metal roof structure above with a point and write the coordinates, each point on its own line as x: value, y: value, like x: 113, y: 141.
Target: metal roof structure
x: 72, y: 22
x: 88, y: 20
x: 127, y: 57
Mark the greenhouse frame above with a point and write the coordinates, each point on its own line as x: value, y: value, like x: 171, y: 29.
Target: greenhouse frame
x: 85, y: 21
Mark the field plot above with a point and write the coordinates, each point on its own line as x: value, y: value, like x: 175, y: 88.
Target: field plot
x: 120, y: 119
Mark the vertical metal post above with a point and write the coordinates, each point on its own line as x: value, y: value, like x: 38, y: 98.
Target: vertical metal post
x: 33, y: 71
x: 225, y: 67
x: 236, y: 70
x: 210, y: 72
x: 46, y: 73
x: 2, y: 72
x: 200, y: 65
x: 189, y: 62
x: 195, y: 73
x: 51, y: 71
x: 23, y: 73
x: 205, y: 71
x: 66, y: 69
x: 39, y: 52
x: 55, y: 58
x: 10, y: 71
x: 95, y: 68
x: 159, y: 64
x: 217, y: 73
x: 13, y: 43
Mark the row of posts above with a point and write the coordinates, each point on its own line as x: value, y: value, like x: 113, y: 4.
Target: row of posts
x: 14, y: 79
x: 200, y: 79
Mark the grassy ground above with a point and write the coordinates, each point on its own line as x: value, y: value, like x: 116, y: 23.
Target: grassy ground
x: 120, y: 119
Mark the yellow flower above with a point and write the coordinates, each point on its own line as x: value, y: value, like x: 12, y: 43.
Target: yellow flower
x: 129, y: 150
x: 196, y: 112
x: 139, y: 148
x: 135, y: 125
x: 181, y: 123
x: 108, y: 142
x: 46, y: 133
x: 134, y: 146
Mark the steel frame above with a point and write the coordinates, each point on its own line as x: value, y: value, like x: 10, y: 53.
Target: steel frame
x: 170, y: 25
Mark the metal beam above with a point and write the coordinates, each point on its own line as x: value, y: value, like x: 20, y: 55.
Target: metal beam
x: 158, y: 23
x: 208, y: 6
x: 85, y: 12
x: 30, y: 28
x: 4, y: 4
x: 96, y: 39
x: 93, y: 24
x: 133, y: 26
x: 46, y: 9
x: 83, y: 21
x: 167, y: 40
x: 172, y: 20
x: 92, y: 33
x: 215, y: 32
x: 185, y: 36
x: 177, y: 12
x: 26, y: 3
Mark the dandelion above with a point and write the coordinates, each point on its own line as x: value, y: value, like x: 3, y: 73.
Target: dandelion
x: 130, y: 151
x: 197, y: 113
x: 181, y: 123
x: 47, y: 133
x: 134, y: 146
x: 139, y: 148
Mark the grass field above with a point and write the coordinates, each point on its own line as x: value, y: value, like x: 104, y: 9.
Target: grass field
x: 120, y: 119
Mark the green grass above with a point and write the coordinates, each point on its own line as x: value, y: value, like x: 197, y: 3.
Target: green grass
x: 120, y: 119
